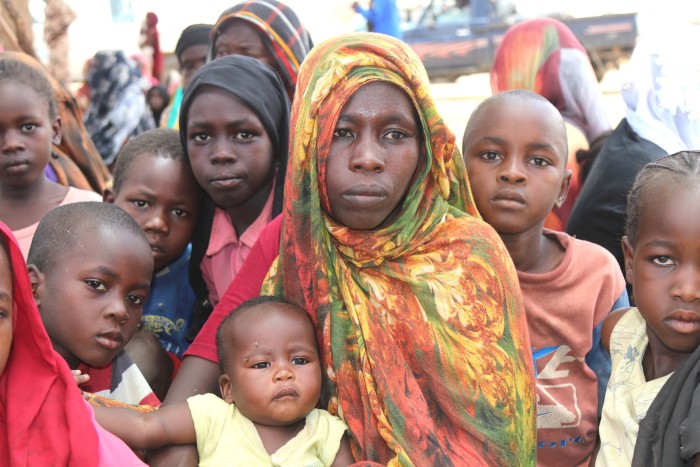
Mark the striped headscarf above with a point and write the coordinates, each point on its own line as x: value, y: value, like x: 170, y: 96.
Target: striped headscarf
x: 281, y: 30
x: 420, y: 323
x: 542, y: 55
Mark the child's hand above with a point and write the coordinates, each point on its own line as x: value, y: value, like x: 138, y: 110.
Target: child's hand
x: 79, y: 377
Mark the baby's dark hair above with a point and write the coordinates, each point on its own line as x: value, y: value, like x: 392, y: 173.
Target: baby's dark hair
x: 62, y: 228
x: 15, y: 71
x: 679, y: 169
x: 247, y: 305
x: 159, y: 142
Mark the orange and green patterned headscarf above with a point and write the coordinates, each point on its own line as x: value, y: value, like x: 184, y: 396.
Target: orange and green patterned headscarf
x: 420, y: 323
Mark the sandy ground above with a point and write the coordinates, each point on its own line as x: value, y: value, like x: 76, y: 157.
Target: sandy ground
x: 457, y: 100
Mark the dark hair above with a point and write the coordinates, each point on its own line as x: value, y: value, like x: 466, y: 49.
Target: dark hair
x: 19, y: 72
x: 6, y: 248
x: 248, y: 305
x: 681, y: 168
x: 62, y: 228
x: 159, y: 142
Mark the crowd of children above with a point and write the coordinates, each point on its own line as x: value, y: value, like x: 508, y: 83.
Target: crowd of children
x: 311, y: 272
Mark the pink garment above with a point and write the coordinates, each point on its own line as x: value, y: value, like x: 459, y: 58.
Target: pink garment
x: 226, y: 252
x: 25, y: 235
x: 111, y: 450
x: 563, y: 307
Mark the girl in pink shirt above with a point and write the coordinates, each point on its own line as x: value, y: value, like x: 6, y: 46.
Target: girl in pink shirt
x: 234, y: 125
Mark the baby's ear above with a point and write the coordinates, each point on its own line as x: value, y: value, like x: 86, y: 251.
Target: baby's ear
x: 225, y: 388
x: 36, y: 277
x: 108, y: 196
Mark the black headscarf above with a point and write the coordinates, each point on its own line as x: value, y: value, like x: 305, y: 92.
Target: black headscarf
x: 195, y: 34
x: 259, y: 88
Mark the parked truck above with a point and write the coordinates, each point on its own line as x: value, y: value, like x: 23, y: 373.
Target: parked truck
x: 458, y: 37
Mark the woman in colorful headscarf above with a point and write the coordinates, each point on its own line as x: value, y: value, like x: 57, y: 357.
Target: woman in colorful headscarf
x: 543, y: 55
x: 118, y: 107
x: 267, y: 30
x: 418, y: 313
x: 419, y: 317
x: 662, y: 96
x: 43, y: 417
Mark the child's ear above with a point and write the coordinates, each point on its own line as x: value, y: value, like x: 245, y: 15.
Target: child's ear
x: 225, y: 388
x: 564, y: 189
x: 108, y: 196
x: 37, y: 278
x: 57, y: 131
x: 628, y: 252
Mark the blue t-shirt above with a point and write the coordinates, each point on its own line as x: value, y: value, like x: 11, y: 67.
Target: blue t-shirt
x: 168, y: 310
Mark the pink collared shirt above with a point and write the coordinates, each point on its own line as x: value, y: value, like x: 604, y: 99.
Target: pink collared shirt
x: 226, y: 252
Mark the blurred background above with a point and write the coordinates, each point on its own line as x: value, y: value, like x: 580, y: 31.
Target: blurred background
x: 116, y: 24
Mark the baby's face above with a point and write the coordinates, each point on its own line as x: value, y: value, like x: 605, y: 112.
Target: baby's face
x: 91, y: 300
x: 5, y: 308
x: 272, y: 372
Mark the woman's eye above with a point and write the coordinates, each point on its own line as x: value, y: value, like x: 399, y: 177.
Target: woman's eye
x: 261, y: 365
x: 299, y: 361
x: 663, y: 261
x: 340, y: 133
x: 395, y: 134
x: 140, y: 203
x: 96, y: 285
x: 540, y: 161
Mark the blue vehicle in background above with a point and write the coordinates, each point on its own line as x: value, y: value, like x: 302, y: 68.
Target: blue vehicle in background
x: 459, y: 37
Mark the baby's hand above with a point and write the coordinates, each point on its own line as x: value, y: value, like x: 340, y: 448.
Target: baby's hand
x: 79, y: 377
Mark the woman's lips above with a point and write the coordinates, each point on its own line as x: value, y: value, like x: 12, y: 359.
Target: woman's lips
x: 362, y: 195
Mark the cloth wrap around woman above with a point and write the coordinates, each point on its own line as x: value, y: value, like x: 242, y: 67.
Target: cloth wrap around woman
x: 420, y: 323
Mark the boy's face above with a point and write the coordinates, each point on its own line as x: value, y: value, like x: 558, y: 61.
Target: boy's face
x: 5, y: 308
x: 664, y: 269
x: 515, y: 153
x: 164, y: 198
x: 272, y: 370
x: 90, y: 300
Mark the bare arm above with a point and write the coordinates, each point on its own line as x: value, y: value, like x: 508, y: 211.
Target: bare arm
x: 608, y: 325
x: 195, y: 376
x: 344, y: 456
x: 168, y: 425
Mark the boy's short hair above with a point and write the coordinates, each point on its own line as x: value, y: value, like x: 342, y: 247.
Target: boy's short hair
x: 159, y: 142
x: 62, y: 227
x: 247, y: 305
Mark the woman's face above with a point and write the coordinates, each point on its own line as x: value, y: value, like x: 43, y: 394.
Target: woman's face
x: 373, y: 156
x: 241, y: 38
x: 5, y: 308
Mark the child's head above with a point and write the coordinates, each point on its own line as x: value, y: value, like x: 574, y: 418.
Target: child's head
x: 191, y: 50
x: 154, y: 183
x: 6, y: 303
x: 91, y: 268
x: 234, y: 124
x: 29, y: 123
x: 269, y: 358
x: 662, y: 251
x: 515, y: 150
x: 157, y: 98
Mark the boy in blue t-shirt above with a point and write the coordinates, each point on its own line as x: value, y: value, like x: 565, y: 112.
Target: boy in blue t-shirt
x: 154, y: 183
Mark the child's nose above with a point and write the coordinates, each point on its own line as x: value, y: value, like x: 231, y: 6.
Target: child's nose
x: 223, y: 153
x: 512, y: 172
x: 117, y: 311
x: 158, y: 223
x: 366, y: 156
x: 687, y: 285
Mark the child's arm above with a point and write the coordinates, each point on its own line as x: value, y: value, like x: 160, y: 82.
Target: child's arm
x: 170, y: 425
x: 344, y: 456
x: 608, y: 325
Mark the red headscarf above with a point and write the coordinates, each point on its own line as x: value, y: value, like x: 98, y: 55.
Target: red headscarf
x: 43, y: 419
